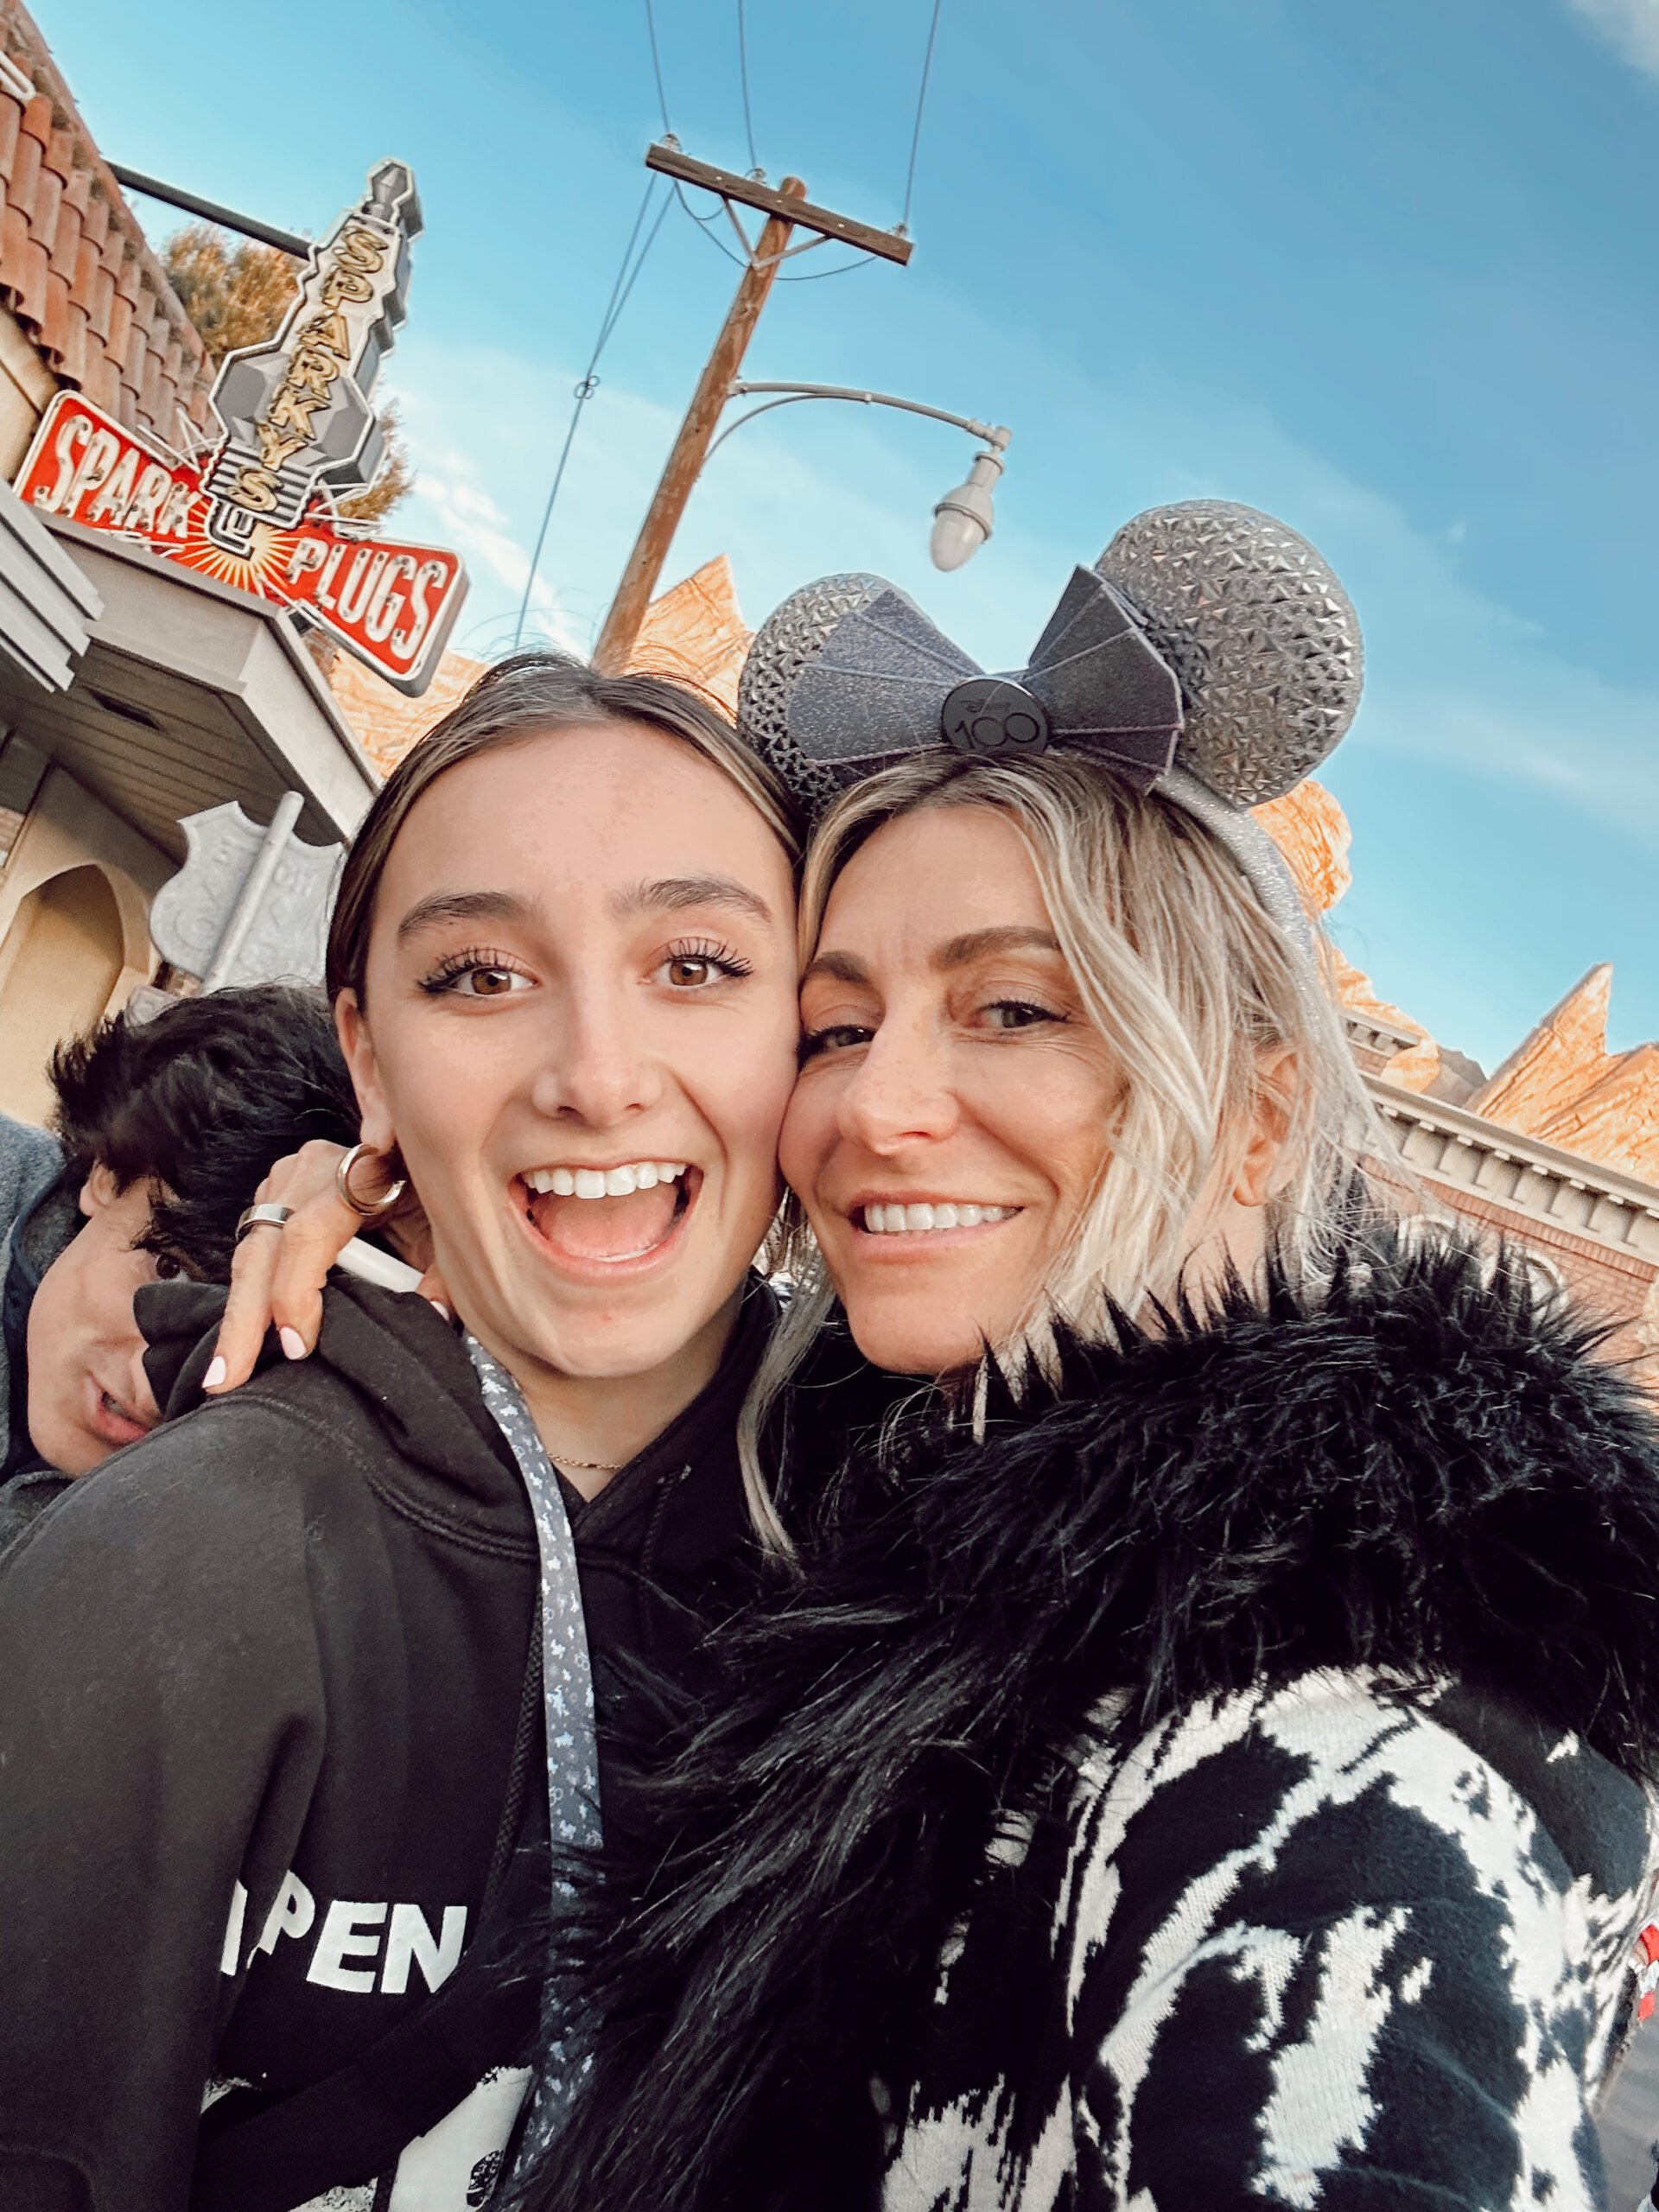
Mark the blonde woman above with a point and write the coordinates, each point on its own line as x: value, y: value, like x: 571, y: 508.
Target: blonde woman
x: 1207, y: 1759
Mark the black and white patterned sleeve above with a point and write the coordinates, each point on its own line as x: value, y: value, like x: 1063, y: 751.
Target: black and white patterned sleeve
x: 1319, y: 1952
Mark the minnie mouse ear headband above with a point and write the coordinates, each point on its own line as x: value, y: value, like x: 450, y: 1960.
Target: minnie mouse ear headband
x: 1209, y: 654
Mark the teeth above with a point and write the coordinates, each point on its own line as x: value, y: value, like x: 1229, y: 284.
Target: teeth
x: 604, y: 1182
x: 899, y: 1221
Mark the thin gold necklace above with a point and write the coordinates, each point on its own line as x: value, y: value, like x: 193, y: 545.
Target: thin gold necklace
x: 589, y: 1467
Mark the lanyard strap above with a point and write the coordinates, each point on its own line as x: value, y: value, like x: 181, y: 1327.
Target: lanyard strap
x: 567, y: 1692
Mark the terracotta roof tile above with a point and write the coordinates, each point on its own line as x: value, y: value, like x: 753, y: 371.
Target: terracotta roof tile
x: 129, y: 269
x: 48, y: 198
x: 95, y: 216
x: 102, y: 386
x: 77, y: 353
x: 119, y: 333
x: 94, y: 284
x: 55, y: 323
x: 65, y: 240
x: 24, y: 180
x: 61, y: 153
x: 24, y: 266
x: 107, y: 321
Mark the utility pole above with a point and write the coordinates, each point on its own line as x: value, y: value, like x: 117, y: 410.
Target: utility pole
x: 786, y: 210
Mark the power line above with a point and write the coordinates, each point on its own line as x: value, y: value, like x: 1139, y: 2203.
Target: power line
x: 921, y: 102
x: 743, y: 73
x: 703, y: 223
x: 656, y: 67
x: 817, y: 276
x: 627, y: 277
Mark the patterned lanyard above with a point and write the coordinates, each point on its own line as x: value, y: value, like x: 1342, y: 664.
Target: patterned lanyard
x: 568, y: 1689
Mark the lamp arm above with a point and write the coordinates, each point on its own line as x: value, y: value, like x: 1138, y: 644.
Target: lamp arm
x: 765, y: 407
x: 995, y: 434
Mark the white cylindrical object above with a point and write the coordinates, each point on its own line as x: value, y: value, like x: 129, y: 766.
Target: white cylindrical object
x: 289, y: 809
x: 964, y: 518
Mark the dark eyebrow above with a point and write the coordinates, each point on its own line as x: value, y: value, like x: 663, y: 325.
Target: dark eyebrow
x: 958, y: 952
x: 671, y: 894
x: 841, y: 965
x: 464, y: 906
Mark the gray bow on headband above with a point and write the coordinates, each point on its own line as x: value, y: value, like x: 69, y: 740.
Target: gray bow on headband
x: 1210, y: 652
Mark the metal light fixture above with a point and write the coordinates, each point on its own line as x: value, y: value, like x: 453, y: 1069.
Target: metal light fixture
x: 963, y: 518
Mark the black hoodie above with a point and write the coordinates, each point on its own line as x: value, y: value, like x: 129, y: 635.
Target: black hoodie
x: 265, y: 1674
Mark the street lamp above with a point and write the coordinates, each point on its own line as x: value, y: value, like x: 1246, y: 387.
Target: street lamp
x: 963, y: 518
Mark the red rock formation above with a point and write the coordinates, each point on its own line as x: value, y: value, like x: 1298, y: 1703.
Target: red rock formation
x: 385, y: 723
x: 1561, y: 1084
x: 1311, y: 830
x: 693, y: 632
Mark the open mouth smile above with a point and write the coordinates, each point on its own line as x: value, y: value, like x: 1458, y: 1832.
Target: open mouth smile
x: 595, y: 1220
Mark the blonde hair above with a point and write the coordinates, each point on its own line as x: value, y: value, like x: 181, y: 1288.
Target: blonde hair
x: 1202, y: 1003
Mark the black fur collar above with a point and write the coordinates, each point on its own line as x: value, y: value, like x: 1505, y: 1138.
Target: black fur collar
x: 1419, y: 1467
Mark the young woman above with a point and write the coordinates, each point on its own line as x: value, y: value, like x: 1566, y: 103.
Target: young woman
x: 1208, y: 1760
x: 274, y: 1724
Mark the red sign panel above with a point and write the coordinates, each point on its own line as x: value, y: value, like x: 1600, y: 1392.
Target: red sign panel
x: 392, y: 605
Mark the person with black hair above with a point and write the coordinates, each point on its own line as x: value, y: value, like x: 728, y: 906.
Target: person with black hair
x: 164, y: 1130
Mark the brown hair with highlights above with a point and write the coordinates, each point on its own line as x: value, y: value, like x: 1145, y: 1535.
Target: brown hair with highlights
x: 523, y: 697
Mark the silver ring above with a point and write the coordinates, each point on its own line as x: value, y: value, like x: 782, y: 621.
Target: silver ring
x: 264, y: 1217
x: 348, y: 1196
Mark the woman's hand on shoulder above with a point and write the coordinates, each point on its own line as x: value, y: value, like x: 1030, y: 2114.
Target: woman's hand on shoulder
x: 277, y: 1273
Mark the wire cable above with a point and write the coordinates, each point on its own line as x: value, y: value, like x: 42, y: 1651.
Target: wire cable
x: 743, y: 73
x: 921, y: 103
x: 657, y: 66
x: 704, y: 223
x: 627, y: 277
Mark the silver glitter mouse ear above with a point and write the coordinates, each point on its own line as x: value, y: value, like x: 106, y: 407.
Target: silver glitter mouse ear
x: 793, y: 635
x: 1263, y: 638
x: 1210, y: 655
x: 1267, y: 647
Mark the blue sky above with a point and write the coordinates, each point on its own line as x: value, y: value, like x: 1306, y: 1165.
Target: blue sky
x: 1386, y: 272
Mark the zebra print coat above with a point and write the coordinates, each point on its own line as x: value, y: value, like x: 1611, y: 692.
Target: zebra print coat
x: 1225, y: 1782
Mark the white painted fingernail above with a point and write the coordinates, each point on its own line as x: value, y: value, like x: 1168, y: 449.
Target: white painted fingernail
x: 214, y: 1376
x: 440, y: 1309
x: 292, y: 1342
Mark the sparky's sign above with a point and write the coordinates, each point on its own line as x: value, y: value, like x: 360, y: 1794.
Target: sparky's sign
x: 257, y: 509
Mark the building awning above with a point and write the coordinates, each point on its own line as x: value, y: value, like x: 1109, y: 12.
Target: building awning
x: 187, y: 692
x: 47, y: 605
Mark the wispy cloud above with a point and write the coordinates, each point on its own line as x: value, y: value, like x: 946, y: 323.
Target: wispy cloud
x: 1632, y: 26
x: 1456, y: 677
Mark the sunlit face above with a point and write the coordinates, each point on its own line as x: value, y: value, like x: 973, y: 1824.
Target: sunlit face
x: 952, y: 1119
x: 87, y: 1390
x: 579, y: 1030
